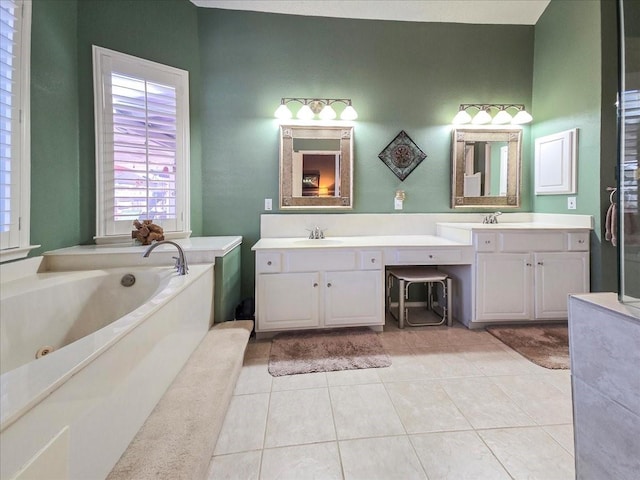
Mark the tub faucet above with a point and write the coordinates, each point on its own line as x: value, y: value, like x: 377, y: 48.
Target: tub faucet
x: 491, y: 217
x: 181, y: 260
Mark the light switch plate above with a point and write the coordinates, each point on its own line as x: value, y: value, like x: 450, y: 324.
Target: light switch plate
x: 268, y: 204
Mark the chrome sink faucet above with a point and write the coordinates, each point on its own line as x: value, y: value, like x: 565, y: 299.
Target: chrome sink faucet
x: 316, y: 233
x: 491, y: 217
x: 181, y: 261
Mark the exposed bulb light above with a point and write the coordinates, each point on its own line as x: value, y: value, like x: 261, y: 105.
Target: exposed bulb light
x: 502, y: 117
x: 485, y: 114
x: 349, y: 113
x: 283, y: 112
x: 461, y: 118
x: 305, y: 113
x: 327, y: 113
x: 481, y: 118
x: 522, y: 117
x: 323, y: 108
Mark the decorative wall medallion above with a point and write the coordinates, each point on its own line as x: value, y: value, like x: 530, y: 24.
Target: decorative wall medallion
x: 402, y: 155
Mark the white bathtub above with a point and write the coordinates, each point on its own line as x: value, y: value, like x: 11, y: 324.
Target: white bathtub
x: 71, y: 413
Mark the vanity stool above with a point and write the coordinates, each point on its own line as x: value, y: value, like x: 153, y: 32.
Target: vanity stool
x: 429, y: 276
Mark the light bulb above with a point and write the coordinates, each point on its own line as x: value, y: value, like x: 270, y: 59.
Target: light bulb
x: 349, y: 113
x: 305, y: 113
x: 283, y: 112
x: 461, y: 117
x: 327, y: 113
x: 522, y: 117
x: 501, y: 118
x: 481, y: 118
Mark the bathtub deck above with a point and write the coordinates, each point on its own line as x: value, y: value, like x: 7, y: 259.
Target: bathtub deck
x: 178, y: 438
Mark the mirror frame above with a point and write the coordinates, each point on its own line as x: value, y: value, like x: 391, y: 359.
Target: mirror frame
x: 287, y: 134
x: 459, y: 137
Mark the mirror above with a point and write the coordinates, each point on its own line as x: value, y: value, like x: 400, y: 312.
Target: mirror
x: 485, y: 167
x: 316, y: 166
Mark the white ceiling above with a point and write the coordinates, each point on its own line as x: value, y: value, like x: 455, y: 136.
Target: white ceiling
x: 517, y: 12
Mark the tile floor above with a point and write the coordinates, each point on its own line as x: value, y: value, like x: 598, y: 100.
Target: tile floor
x: 455, y: 404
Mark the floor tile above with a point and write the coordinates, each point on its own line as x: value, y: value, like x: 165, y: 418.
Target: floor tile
x: 296, y: 382
x: 457, y: 456
x: 382, y: 458
x: 253, y: 378
x: 563, y: 434
x: 361, y: 376
x: 425, y: 407
x: 538, y: 398
x: 364, y: 411
x: 530, y: 452
x: 445, y: 361
x: 320, y: 461
x: 494, y: 359
x: 299, y: 417
x: 236, y: 466
x: 405, y: 367
x: 244, y: 425
x: 483, y: 403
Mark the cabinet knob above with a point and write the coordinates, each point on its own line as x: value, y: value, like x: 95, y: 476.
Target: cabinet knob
x: 540, y: 263
x: 269, y: 262
x: 373, y: 260
x: 430, y: 256
x: 328, y: 284
x: 315, y: 285
x: 487, y: 242
x: 528, y: 264
x: 580, y: 241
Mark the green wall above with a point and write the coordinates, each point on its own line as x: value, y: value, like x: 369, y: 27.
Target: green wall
x: 568, y: 93
x: 55, y: 181
x: 400, y: 76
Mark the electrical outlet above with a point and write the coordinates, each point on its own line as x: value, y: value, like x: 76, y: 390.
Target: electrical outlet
x: 397, y: 204
x: 571, y: 203
x: 268, y: 204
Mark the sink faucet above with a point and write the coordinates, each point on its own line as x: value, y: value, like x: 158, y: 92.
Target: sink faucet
x: 181, y: 260
x: 316, y: 233
x: 491, y: 217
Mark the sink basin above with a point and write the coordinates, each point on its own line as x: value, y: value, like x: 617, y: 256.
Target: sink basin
x: 319, y: 242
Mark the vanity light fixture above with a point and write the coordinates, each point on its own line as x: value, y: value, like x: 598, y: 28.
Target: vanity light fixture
x: 316, y: 106
x: 484, y: 114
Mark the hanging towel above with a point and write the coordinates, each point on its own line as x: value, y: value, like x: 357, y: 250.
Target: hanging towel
x: 611, y: 225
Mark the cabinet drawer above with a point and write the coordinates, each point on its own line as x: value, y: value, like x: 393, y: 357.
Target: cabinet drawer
x: 268, y: 262
x: 371, y: 260
x: 319, y: 259
x: 579, y: 241
x: 426, y: 256
x: 532, y: 241
x: 485, y: 242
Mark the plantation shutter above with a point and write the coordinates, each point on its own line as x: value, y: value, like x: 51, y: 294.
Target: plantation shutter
x: 10, y: 154
x: 141, y: 142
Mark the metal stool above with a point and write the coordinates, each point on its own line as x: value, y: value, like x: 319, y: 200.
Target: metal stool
x: 407, y: 276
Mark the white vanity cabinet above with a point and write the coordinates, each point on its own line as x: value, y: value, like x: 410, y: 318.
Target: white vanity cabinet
x: 318, y: 288
x: 528, y: 275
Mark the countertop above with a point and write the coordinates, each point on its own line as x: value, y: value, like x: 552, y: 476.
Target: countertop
x: 364, y: 241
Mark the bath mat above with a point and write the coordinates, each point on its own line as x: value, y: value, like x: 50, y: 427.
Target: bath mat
x: 326, y: 351
x: 544, y: 345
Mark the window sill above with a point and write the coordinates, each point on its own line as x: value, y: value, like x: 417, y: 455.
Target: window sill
x: 15, y: 253
x: 112, y: 239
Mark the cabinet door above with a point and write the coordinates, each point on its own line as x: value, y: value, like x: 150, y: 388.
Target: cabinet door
x: 503, y: 286
x: 353, y: 298
x: 557, y: 275
x: 287, y: 301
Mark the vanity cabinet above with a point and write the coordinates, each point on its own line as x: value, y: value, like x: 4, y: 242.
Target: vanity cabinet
x: 319, y: 288
x: 528, y: 275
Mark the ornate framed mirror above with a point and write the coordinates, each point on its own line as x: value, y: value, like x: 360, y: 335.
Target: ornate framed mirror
x: 485, y: 167
x: 316, y: 168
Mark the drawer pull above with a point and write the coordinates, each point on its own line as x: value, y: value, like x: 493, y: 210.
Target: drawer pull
x: 581, y: 241
x: 528, y: 264
x: 430, y: 256
x: 315, y: 285
x: 540, y: 263
x: 487, y: 242
x: 373, y: 260
x: 328, y: 284
x: 269, y: 263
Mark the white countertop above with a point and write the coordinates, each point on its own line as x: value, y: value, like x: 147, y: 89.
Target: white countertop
x: 364, y: 241
x: 510, y: 226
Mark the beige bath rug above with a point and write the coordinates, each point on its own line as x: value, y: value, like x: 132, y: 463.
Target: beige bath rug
x: 326, y: 351
x: 544, y: 345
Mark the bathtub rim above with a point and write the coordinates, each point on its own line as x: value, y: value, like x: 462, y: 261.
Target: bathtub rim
x: 45, y: 383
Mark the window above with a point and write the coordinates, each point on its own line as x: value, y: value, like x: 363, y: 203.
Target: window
x: 142, y: 145
x: 15, y: 32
